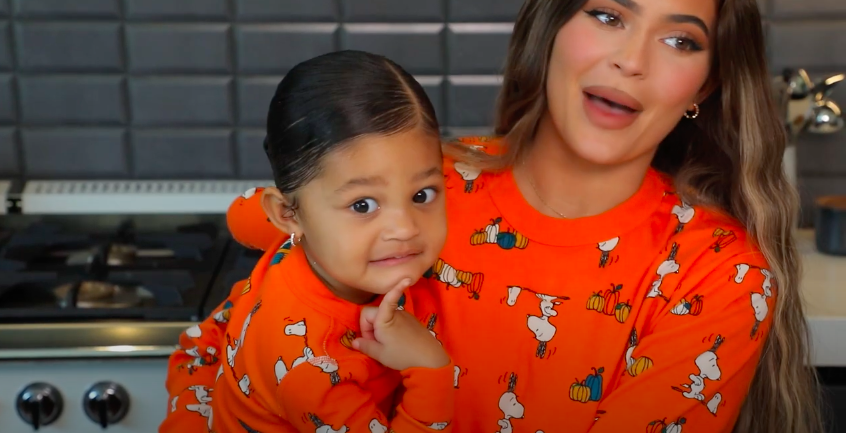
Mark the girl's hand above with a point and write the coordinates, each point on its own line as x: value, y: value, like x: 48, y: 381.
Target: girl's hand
x: 395, y: 338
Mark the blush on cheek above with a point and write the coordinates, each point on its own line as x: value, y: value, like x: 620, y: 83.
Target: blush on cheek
x: 579, y: 45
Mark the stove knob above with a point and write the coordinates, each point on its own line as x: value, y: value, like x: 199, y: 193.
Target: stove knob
x: 39, y: 404
x: 106, y: 403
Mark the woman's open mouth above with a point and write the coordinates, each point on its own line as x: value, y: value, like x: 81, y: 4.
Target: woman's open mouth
x: 609, y: 108
x: 611, y: 104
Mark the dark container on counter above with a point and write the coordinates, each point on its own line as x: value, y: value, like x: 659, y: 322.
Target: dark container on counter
x: 831, y: 225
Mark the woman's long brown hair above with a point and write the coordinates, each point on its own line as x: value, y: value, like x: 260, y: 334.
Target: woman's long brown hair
x: 729, y: 158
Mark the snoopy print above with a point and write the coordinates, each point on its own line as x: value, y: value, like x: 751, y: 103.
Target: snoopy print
x: 468, y: 173
x: 322, y: 427
x: 540, y: 326
x: 669, y: 266
x: 377, y: 427
x: 202, y: 407
x: 509, y: 405
x: 606, y: 248
x: 760, y: 307
x: 232, y: 347
x: 684, y: 213
x: 708, y: 370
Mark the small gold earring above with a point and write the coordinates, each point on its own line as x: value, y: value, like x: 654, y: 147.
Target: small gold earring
x: 695, y: 112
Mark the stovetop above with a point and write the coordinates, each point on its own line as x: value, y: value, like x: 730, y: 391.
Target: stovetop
x: 63, y: 269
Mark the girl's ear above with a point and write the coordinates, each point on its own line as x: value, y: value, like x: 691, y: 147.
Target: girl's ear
x: 280, y: 210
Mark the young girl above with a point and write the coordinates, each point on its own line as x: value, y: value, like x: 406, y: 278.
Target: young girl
x: 354, y: 146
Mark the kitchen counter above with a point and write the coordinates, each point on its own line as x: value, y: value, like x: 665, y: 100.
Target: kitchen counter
x: 823, y: 287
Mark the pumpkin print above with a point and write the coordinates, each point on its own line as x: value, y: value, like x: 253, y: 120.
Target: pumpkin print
x: 246, y: 288
x: 579, y: 392
x: 692, y: 307
x: 596, y: 302
x: 639, y: 366
x: 594, y: 383
x: 675, y: 427
x: 473, y: 281
x: 696, y: 305
x: 511, y: 240
x: 656, y: 426
x: 621, y: 312
x: 347, y: 339
x: 478, y: 238
x: 612, y: 297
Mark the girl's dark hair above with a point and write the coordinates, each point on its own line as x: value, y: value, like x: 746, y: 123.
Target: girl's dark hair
x: 329, y: 100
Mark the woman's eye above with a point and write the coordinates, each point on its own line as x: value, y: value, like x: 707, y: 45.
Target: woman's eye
x: 606, y: 18
x: 684, y: 44
x: 365, y: 205
x: 425, y: 195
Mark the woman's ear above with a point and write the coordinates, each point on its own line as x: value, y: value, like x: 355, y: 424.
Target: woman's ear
x: 280, y: 210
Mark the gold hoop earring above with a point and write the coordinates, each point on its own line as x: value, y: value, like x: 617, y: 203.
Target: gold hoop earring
x: 695, y: 112
x: 294, y: 241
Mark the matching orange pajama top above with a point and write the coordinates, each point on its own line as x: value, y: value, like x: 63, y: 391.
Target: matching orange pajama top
x: 648, y: 317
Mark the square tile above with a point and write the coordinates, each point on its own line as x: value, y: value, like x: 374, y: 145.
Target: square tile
x: 177, y: 10
x: 393, y: 10
x: 254, y: 95
x: 72, y: 99
x: 178, y: 48
x: 181, y: 101
x: 483, y: 10
x: 7, y: 99
x: 75, y: 153
x: 8, y: 152
x: 183, y: 154
x: 807, y: 44
x: 471, y: 100
x: 252, y: 161
x: 69, y: 47
x: 67, y: 8
x: 478, y: 48
x: 287, y: 10
x: 274, y: 49
x: 5, y: 46
x: 418, y: 48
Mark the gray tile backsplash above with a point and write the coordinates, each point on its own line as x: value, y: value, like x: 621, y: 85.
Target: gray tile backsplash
x: 67, y: 8
x: 183, y: 10
x: 179, y: 88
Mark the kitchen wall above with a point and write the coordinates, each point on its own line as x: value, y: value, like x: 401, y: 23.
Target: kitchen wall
x: 179, y: 88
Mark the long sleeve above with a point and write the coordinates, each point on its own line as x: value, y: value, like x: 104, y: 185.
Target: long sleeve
x: 311, y: 401
x: 194, y: 366
x: 693, y: 366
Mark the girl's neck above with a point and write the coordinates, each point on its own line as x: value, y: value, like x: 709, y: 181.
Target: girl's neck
x: 556, y: 181
x: 347, y: 293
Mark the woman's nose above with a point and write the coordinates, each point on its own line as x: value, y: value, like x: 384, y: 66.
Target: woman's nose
x: 632, y: 57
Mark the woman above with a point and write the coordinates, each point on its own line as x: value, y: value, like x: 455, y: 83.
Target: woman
x: 621, y: 259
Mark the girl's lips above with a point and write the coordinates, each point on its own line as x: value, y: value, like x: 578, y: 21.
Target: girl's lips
x: 393, y: 261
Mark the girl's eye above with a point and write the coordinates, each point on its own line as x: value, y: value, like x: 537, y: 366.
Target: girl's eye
x: 365, y: 205
x: 683, y: 44
x: 425, y: 195
x: 606, y: 18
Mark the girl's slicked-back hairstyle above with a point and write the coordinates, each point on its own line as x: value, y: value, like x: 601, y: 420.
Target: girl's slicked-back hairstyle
x: 327, y: 101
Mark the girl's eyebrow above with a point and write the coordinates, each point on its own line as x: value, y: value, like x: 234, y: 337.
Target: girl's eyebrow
x: 379, y: 180
x: 361, y: 181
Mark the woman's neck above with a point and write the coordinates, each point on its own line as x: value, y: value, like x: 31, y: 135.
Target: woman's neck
x: 557, y: 182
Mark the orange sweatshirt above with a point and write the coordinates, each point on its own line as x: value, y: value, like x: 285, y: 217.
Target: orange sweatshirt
x: 651, y: 316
